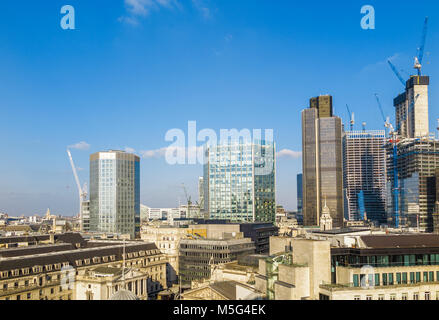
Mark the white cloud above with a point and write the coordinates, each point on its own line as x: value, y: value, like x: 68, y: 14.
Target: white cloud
x: 80, y: 146
x: 141, y: 8
x: 130, y: 150
x: 159, y: 153
x: 381, y: 64
x: 202, y: 8
x: 286, y: 153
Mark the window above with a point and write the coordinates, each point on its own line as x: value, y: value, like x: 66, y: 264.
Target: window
x: 418, y: 277
x: 431, y: 276
x: 415, y: 296
x: 377, y: 279
x: 357, y: 298
x: 404, y: 296
x: 425, y: 277
x: 393, y: 296
x: 384, y: 279
x: 427, y: 296
x: 404, y: 277
x: 391, y: 279
x: 398, y: 278
x: 368, y: 297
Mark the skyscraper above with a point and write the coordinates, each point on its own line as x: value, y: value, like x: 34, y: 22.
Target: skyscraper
x: 201, y: 192
x: 411, y: 108
x: 364, y: 175
x: 240, y: 182
x: 299, y: 193
x: 417, y: 161
x: 115, y: 193
x: 322, y: 162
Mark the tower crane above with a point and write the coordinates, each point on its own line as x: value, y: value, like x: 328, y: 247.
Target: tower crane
x: 418, y: 59
x: 188, y: 199
x: 396, y: 72
x: 387, y: 124
x: 352, y: 118
x: 82, y: 191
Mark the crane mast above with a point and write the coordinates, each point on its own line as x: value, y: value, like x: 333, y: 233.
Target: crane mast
x: 352, y: 118
x: 82, y: 191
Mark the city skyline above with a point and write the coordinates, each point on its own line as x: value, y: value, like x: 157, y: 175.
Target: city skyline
x: 175, y: 65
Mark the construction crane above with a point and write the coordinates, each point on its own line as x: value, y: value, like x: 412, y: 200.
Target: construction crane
x: 398, y: 75
x: 418, y: 59
x: 352, y: 118
x: 386, y: 120
x: 82, y: 191
x: 189, y: 201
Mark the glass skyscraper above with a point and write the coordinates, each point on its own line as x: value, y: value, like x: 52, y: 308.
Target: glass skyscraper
x: 240, y: 182
x: 115, y: 193
x: 364, y: 175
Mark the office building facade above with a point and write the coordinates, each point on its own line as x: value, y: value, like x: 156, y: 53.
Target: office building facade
x: 364, y: 175
x: 115, y: 193
x: 240, y: 182
x: 299, y: 194
x: 417, y: 161
x: 322, y: 162
x: 411, y: 108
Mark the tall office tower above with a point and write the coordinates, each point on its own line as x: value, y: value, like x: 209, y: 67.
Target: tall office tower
x: 322, y: 162
x: 240, y: 182
x: 411, y: 108
x: 417, y: 161
x: 299, y: 193
x: 364, y: 175
x: 85, y: 216
x: 201, y: 192
x: 115, y: 193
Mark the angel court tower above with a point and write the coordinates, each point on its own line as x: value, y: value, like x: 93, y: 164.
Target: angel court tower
x: 115, y: 193
x: 239, y: 181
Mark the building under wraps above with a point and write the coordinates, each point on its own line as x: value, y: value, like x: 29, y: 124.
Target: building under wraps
x: 417, y: 161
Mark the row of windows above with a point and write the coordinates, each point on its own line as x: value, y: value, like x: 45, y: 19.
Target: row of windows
x: 404, y: 296
x: 388, y: 279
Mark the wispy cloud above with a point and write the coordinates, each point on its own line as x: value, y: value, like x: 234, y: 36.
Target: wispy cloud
x: 160, y: 153
x: 82, y: 145
x: 130, y: 150
x: 202, y: 7
x: 286, y: 153
x: 381, y: 64
x: 136, y: 9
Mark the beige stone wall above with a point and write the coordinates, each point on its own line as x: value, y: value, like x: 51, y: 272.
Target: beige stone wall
x: 386, y: 293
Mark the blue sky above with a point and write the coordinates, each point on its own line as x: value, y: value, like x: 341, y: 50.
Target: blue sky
x: 133, y: 69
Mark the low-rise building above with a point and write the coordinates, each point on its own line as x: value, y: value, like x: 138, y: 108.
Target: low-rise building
x: 43, y: 270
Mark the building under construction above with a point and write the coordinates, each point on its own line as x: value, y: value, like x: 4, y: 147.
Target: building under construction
x: 364, y: 175
x: 417, y: 163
